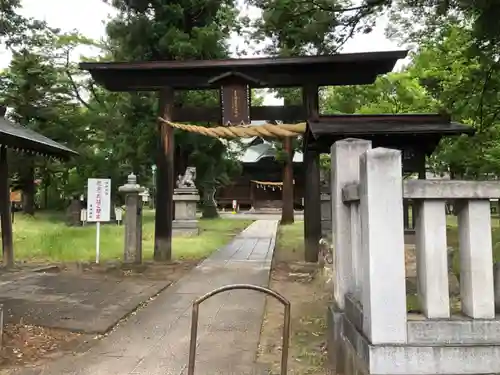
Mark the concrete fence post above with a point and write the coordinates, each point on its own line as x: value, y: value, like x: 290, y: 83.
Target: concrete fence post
x: 345, y: 170
x: 382, y: 232
x: 476, y: 259
x: 432, y: 258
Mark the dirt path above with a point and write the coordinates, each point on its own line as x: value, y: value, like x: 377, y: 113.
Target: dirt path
x: 306, y: 288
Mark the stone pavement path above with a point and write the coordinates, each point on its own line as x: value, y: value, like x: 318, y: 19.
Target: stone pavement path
x: 155, y: 340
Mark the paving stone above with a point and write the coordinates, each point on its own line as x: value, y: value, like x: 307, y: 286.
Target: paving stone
x: 82, y: 365
x: 73, y: 302
x: 153, y: 365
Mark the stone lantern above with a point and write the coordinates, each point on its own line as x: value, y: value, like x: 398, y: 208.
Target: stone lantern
x: 132, y: 252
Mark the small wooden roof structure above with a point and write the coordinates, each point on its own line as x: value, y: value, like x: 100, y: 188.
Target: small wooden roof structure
x: 326, y: 130
x: 340, y: 69
x: 417, y: 135
x: 19, y: 138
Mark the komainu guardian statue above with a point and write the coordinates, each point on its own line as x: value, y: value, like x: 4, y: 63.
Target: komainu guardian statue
x: 187, y: 181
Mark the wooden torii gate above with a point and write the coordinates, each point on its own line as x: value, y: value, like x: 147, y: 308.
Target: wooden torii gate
x: 234, y: 78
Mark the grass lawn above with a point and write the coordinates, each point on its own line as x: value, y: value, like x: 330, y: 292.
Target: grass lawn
x: 291, y: 240
x: 309, y: 296
x: 452, y: 239
x: 46, y: 237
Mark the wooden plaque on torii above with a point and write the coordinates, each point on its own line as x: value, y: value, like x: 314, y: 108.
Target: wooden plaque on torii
x: 235, y: 98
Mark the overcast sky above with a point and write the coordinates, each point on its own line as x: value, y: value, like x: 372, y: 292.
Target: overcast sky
x: 89, y: 16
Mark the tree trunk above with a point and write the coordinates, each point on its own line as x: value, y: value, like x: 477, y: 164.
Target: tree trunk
x: 209, y: 209
x: 45, y: 196
x: 287, y: 196
x: 46, y: 186
x: 73, y: 213
x: 28, y: 183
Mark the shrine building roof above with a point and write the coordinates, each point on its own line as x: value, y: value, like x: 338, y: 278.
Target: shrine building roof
x: 19, y: 138
x: 339, y: 69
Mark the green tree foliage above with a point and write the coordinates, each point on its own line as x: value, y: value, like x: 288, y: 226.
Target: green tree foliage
x: 416, y: 20
x: 323, y: 26
x: 466, y: 81
x: 15, y: 29
x: 174, y: 30
x: 115, y: 133
x: 178, y: 29
x: 446, y: 74
x: 10, y: 20
x: 37, y: 88
x: 311, y: 27
x: 392, y: 93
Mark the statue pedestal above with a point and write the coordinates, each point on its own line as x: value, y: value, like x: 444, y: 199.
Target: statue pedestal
x: 185, y: 221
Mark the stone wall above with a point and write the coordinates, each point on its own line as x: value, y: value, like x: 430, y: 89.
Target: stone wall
x: 370, y: 331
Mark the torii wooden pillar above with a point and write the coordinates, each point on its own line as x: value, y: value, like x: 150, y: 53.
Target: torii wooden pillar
x: 287, y: 201
x: 164, y: 179
x: 312, y: 193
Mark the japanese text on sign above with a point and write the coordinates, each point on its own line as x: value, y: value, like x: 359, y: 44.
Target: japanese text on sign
x: 98, y: 199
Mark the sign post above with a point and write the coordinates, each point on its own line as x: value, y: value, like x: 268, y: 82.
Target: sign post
x: 98, y: 206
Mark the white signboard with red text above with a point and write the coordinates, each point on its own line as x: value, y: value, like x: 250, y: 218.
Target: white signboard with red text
x: 98, y: 206
x: 98, y: 200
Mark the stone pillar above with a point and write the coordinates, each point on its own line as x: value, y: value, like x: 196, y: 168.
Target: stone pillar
x: 476, y: 259
x: 383, y: 254
x: 185, y: 221
x: 132, y: 252
x: 432, y: 258
x: 345, y: 170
